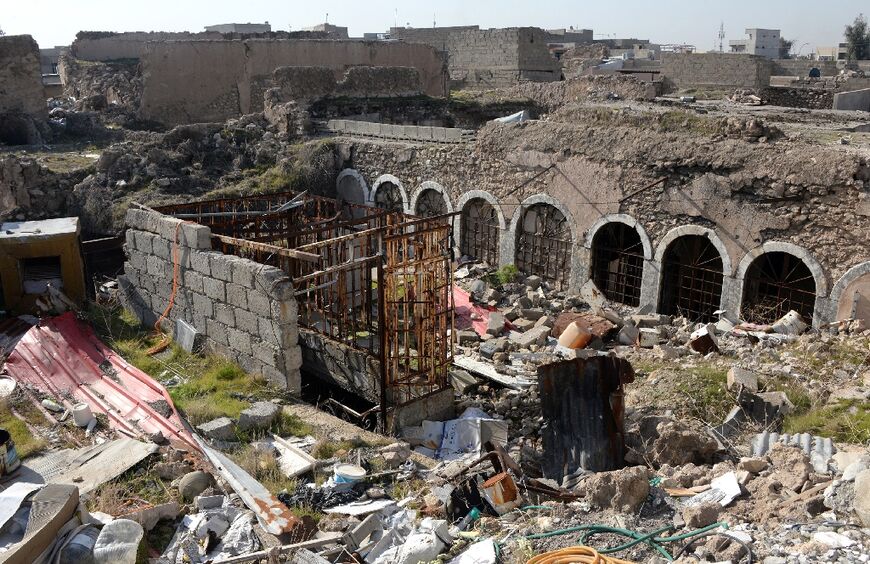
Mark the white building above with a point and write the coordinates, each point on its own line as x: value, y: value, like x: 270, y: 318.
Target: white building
x: 763, y: 42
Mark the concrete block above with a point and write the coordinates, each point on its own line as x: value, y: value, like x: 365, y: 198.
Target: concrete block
x: 203, y: 305
x: 259, y: 304
x: 249, y: 364
x: 201, y: 263
x: 221, y: 429
x: 741, y: 378
x: 242, y: 271
x: 214, y: 289
x: 237, y: 295
x: 220, y: 266
x: 266, y: 353
x: 261, y: 415
x: 648, y: 337
x: 217, y: 332
x: 246, y: 321
x: 225, y: 314
x: 169, y: 228
x: 239, y: 341
x: 534, y: 336
x: 196, y: 236
x: 193, y: 281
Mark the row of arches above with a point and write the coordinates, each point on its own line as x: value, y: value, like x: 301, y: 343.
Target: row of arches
x: 688, y: 273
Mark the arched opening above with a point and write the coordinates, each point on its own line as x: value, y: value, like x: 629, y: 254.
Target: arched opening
x: 479, y: 231
x: 776, y: 283
x: 617, y: 263
x: 544, y: 244
x: 389, y: 197
x: 691, y: 278
x: 351, y: 188
x: 431, y: 203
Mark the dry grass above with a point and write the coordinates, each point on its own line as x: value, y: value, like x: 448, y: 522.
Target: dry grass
x: 26, y: 442
x: 263, y: 466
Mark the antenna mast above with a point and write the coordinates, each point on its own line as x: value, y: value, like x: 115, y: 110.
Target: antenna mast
x: 722, y: 37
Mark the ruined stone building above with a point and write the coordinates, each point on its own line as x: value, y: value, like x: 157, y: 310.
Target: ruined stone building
x: 488, y: 58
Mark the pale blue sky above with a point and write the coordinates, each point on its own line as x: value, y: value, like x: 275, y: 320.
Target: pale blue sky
x: 55, y: 22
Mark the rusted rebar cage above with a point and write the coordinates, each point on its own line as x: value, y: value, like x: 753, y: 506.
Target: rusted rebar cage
x: 376, y: 281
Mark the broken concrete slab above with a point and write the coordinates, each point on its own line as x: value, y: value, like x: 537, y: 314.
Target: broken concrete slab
x: 489, y: 348
x: 495, y: 324
x: 462, y: 381
x: 649, y: 321
x: 534, y: 336
x: 648, y: 337
x: 593, y: 296
x: 488, y: 371
x: 467, y: 337
x: 741, y: 378
x: 703, y: 340
x: 220, y: 429
x: 261, y: 415
x: 629, y: 335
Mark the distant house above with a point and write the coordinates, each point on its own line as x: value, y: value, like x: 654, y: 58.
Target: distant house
x: 762, y: 42
x: 332, y: 31
x: 240, y: 28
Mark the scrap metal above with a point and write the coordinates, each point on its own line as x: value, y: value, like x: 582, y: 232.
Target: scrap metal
x: 62, y: 356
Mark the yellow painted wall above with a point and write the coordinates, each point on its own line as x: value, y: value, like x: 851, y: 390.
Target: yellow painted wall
x: 65, y: 245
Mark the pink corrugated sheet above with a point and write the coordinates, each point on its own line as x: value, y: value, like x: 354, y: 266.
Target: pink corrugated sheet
x: 62, y: 357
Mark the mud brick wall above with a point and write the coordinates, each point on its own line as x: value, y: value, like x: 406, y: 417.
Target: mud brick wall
x: 21, y: 87
x: 245, y: 310
x: 692, y: 70
x: 486, y: 58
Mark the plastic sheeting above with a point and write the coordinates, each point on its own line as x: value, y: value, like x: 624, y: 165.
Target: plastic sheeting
x: 231, y: 525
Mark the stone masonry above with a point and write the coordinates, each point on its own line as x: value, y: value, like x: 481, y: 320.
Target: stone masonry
x: 245, y: 310
x: 20, y: 77
x: 489, y: 58
x: 725, y: 70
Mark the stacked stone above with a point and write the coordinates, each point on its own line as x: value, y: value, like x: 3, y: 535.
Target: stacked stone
x: 245, y: 310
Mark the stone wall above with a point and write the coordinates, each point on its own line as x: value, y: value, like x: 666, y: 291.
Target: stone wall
x: 813, y: 98
x: 422, y: 133
x: 706, y: 70
x: 309, y: 83
x: 801, y: 67
x: 111, y: 46
x: 489, y: 58
x: 212, y: 81
x: 746, y: 197
x: 245, y: 310
x: 20, y: 77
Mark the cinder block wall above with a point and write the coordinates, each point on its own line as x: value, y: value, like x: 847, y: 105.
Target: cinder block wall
x: 688, y: 70
x: 245, y: 310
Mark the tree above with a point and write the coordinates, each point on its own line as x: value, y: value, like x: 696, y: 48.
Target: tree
x: 2, y: 33
x: 858, y: 39
x: 785, y: 46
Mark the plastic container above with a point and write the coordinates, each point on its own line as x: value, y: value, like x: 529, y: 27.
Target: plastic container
x: 80, y: 549
x: 575, y: 337
x: 9, y: 461
x: 348, y: 473
x: 470, y: 518
x: 82, y: 414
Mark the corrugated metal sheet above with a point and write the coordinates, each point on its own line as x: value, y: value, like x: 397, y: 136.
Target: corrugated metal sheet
x: 62, y: 357
x: 583, y: 409
x: 819, y: 449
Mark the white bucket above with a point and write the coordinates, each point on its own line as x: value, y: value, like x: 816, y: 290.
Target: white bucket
x: 82, y: 414
x: 348, y: 473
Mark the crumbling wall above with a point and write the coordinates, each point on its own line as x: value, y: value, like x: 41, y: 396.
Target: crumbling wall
x: 118, y: 82
x: 245, y: 310
x: 21, y: 87
x: 30, y: 191
x: 705, y: 70
x: 489, y: 58
x: 202, y: 81
x: 742, y: 194
x: 112, y: 46
x: 309, y: 83
x: 813, y: 98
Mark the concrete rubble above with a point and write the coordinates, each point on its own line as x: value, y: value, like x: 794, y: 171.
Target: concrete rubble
x: 396, y: 401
